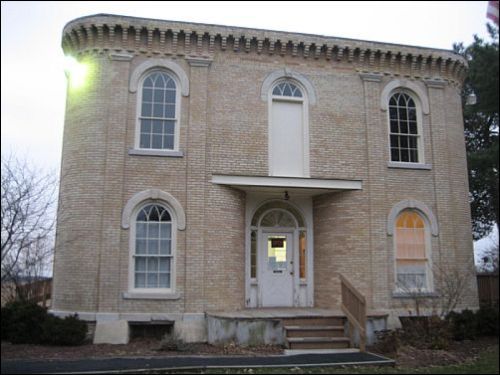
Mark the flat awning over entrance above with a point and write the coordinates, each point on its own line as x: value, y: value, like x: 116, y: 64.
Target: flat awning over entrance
x: 296, y: 185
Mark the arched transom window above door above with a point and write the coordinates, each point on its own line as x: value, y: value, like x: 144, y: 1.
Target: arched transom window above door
x: 278, y: 218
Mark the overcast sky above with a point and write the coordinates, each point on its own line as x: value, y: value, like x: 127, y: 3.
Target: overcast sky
x: 33, y: 81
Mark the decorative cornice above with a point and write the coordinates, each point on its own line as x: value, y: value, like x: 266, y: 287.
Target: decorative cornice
x: 140, y: 36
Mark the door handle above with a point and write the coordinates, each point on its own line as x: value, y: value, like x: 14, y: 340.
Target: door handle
x: 291, y: 273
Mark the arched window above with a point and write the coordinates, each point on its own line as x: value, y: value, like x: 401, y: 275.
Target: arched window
x: 287, y: 89
x: 412, y: 253
x: 158, y: 119
x: 288, y: 130
x: 278, y: 218
x: 405, y: 133
x: 153, y: 254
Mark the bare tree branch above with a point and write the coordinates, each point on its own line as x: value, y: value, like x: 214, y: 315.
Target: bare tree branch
x: 27, y: 222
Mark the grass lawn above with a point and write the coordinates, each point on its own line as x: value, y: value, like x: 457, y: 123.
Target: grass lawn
x: 486, y: 364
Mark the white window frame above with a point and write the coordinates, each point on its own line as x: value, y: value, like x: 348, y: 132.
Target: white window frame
x: 428, y: 255
x: 177, y: 82
x: 305, y: 121
x: 420, y: 131
x: 419, y: 95
x: 173, y: 252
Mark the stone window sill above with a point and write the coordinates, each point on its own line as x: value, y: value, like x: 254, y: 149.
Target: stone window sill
x: 406, y: 295
x: 156, y: 296
x: 164, y: 153
x: 403, y: 165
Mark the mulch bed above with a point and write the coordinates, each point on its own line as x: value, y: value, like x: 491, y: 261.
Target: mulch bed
x: 458, y: 352
x: 142, y: 347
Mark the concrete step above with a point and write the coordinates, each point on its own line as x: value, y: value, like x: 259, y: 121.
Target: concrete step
x: 319, y: 351
x: 314, y: 321
x: 314, y: 331
x: 317, y: 342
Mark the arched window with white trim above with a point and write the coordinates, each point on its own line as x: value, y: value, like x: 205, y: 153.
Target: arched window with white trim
x: 158, y: 117
x: 412, y: 252
x: 152, y: 262
x: 288, y: 130
x: 405, y: 130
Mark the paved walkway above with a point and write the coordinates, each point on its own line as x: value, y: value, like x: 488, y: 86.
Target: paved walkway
x: 134, y: 364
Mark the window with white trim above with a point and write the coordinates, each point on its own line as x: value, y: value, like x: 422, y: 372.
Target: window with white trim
x: 412, y: 253
x: 405, y: 137
x: 158, y: 119
x: 153, y: 249
x: 288, y: 136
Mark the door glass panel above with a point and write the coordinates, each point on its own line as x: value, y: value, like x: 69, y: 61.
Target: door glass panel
x: 276, y: 253
x: 302, y: 254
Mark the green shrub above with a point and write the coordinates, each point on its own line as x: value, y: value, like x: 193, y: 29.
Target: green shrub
x: 27, y: 323
x: 463, y: 325
x: 68, y: 331
x: 487, y: 321
x: 22, y: 322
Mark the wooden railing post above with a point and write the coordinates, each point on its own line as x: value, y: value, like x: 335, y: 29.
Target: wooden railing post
x: 354, y: 307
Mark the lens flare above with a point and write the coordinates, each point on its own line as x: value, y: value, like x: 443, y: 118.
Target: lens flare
x: 76, y: 72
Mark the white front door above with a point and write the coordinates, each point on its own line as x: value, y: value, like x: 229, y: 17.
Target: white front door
x: 277, y: 270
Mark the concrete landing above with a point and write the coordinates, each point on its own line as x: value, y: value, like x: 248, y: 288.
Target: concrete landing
x: 278, y: 313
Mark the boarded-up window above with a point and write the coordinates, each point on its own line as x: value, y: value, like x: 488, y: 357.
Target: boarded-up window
x: 411, y: 254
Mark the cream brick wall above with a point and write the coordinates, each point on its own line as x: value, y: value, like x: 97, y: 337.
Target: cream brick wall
x: 223, y: 130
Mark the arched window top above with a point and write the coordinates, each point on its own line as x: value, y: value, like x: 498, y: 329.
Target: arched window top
x: 287, y: 89
x: 159, y: 80
x: 163, y: 198
x: 409, y: 89
x: 278, y: 218
x: 411, y: 211
x: 402, y: 99
x: 267, y: 208
x: 274, y: 79
x: 154, y: 212
x: 410, y: 219
x: 151, y: 65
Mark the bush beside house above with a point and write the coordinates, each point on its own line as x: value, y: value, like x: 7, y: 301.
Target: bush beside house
x: 27, y: 323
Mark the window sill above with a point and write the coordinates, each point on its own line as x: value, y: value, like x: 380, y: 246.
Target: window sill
x: 408, y: 295
x: 156, y: 296
x: 164, y: 153
x: 403, y: 165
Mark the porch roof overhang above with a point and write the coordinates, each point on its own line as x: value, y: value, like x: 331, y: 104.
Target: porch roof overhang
x: 278, y: 185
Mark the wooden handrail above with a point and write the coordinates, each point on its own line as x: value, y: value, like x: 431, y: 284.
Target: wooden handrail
x: 354, y: 307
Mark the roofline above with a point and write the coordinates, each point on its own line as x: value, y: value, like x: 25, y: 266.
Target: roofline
x: 258, y: 29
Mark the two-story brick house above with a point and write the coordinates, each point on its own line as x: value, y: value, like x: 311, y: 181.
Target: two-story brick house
x: 213, y: 169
